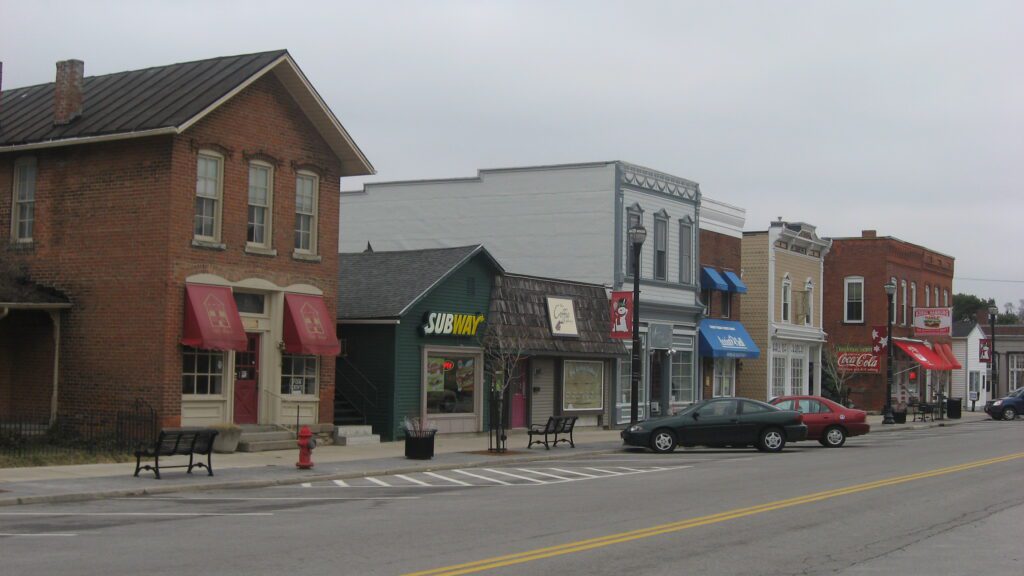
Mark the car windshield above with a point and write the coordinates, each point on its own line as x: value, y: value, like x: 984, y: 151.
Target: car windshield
x: 1018, y: 393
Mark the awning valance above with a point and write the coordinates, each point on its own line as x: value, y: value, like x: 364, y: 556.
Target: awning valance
x: 923, y: 355
x: 308, y: 327
x: 735, y: 284
x: 726, y: 339
x: 947, y: 354
x: 710, y: 279
x: 211, y: 319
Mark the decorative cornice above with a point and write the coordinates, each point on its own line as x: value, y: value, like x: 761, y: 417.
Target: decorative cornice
x: 659, y: 182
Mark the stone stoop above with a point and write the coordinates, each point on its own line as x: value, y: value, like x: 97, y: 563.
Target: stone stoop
x: 260, y: 438
x: 355, y: 435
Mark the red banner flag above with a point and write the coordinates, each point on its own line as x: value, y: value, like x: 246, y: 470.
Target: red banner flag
x: 985, y: 350
x: 622, y: 315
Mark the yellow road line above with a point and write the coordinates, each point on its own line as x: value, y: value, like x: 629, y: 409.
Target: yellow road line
x: 591, y: 543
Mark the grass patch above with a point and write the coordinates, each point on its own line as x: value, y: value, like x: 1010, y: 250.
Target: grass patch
x: 54, y: 456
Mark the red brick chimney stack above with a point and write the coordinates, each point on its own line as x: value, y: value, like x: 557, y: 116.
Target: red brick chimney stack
x: 868, y: 234
x: 67, y: 95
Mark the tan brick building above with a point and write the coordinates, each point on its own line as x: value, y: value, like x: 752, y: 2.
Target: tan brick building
x: 172, y: 237
x: 783, y: 269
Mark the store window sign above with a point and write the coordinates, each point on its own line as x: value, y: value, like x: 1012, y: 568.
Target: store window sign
x: 583, y: 385
x: 450, y: 324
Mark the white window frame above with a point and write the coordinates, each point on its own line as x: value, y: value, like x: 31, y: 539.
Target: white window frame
x: 913, y: 297
x: 903, y: 309
x: 809, y: 303
x: 638, y: 213
x: 724, y: 378
x: 29, y: 202
x: 927, y: 296
x: 210, y: 373
x: 686, y: 275
x: 787, y: 299
x: 859, y: 280
x: 936, y: 295
x: 268, y: 228
x: 316, y: 375
x: 660, y: 247
x: 681, y: 373
x: 945, y: 298
x: 895, y: 301
x: 1015, y: 370
x: 314, y: 215
x: 217, y: 199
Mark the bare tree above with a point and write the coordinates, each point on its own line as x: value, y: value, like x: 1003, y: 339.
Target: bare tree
x: 504, y: 355
x: 838, y: 376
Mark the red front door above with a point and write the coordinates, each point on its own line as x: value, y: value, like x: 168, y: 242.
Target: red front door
x: 247, y: 367
x: 518, y: 408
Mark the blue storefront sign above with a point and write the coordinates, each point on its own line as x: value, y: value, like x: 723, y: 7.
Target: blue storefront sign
x: 726, y: 339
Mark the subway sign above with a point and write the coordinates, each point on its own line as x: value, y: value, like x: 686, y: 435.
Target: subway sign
x: 450, y: 324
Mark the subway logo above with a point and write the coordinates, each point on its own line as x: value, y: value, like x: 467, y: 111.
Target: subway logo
x: 448, y: 324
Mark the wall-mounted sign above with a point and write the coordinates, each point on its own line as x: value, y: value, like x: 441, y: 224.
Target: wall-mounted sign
x: 985, y: 350
x: 622, y: 315
x: 933, y: 321
x: 449, y: 324
x: 562, y: 316
x: 582, y: 385
x: 857, y: 359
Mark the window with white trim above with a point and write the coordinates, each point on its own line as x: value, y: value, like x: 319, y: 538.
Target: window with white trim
x: 306, y: 192
x: 686, y: 252
x: 209, y: 195
x: 927, y: 296
x: 853, y: 295
x: 660, y: 247
x: 808, y: 303
x: 945, y: 298
x: 682, y: 377
x: 787, y: 298
x: 202, y: 371
x: 725, y: 377
x: 936, y: 295
x: 261, y: 194
x: 779, y: 375
x: 895, y: 298
x: 1015, y: 370
x: 300, y: 374
x: 913, y: 296
x: 726, y: 304
x: 903, y: 302
x: 24, y: 204
x: 796, y: 375
x: 633, y: 220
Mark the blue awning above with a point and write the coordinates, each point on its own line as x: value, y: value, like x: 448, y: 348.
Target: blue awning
x: 710, y: 279
x: 726, y: 339
x: 735, y: 284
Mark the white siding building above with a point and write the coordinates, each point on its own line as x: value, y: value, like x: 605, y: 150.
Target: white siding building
x: 971, y: 381
x: 566, y: 221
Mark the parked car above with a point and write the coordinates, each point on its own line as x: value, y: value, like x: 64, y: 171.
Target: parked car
x: 1007, y: 407
x: 827, y: 422
x: 735, y: 422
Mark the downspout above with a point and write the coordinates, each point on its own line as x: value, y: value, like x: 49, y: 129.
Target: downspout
x: 55, y: 318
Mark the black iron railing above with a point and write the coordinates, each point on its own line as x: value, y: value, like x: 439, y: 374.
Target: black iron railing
x: 27, y: 433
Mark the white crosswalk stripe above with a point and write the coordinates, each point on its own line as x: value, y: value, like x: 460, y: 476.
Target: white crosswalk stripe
x: 488, y: 479
x: 479, y: 477
x: 447, y: 479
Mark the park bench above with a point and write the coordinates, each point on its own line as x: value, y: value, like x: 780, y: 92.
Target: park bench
x: 178, y: 442
x: 924, y: 412
x: 568, y: 423
x: 552, y: 428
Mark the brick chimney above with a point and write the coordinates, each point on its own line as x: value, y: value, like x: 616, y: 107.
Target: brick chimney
x: 67, y: 91
x: 868, y: 234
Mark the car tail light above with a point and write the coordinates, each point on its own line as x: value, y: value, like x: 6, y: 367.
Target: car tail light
x: 859, y: 416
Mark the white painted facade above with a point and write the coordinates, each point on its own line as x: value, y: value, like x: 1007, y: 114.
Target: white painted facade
x: 566, y: 221
x: 974, y: 374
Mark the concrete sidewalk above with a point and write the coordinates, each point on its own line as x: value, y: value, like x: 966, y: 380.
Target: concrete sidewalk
x: 262, y: 469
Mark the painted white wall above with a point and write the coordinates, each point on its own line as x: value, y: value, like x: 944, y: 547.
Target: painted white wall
x: 967, y: 352
x: 556, y: 222
x: 717, y: 216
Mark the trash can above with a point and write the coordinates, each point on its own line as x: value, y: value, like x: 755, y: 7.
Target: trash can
x: 953, y: 407
x: 420, y: 446
x: 899, y: 417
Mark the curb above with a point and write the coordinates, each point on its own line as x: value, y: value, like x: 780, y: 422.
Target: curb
x: 288, y: 481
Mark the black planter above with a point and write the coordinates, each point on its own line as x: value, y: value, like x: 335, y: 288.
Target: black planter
x: 420, y: 447
x: 899, y: 417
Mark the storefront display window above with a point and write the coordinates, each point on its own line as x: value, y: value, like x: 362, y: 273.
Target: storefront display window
x: 202, y: 371
x: 1016, y: 370
x: 725, y: 377
x: 682, y: 377
x: 582, y: 385
x: 299, y: 374
x: 450, y: 384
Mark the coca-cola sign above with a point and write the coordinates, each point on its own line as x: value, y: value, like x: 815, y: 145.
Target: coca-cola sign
x: 856, y: 359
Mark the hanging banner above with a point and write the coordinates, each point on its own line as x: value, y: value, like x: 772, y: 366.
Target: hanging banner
x: 622, y: 315
x: 857, y: 359
x: 985, y: 350
x: 933, y: 321
x: 879, y: 339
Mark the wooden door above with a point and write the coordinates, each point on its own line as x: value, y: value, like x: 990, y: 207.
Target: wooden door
x: 517, y: 418
x: 247, y: 366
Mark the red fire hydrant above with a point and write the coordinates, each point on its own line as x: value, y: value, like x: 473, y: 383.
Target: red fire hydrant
x: 306, y: 444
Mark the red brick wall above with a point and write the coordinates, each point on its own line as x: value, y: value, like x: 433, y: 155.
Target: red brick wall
x: 114, y: 232
x: 723, y: 252
x: 26, y: 364
x: 877, y: 260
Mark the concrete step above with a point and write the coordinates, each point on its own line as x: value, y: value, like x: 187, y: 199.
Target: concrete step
x: 349, y: 431
x: 357, y: 440
x: 266, y: 436
x: 265, y: 445
x: 253, y: 428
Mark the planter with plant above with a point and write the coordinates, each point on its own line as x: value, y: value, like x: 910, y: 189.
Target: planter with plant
x: 419, y: 438
x: 227, y: 437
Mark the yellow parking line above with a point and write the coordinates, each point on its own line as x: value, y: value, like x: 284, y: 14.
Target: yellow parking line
x: 592, y: 543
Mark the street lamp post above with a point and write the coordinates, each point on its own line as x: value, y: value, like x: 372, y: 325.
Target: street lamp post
x: 890, y: 291
x: 993, y: 312
x: 637, y: 235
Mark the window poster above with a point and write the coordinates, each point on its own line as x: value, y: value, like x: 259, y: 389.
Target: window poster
x: 582, y: 385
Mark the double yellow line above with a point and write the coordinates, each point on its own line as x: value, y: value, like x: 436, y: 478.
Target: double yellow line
x: 592, y: 543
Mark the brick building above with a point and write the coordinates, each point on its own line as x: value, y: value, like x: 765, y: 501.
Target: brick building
x: 782, y: 268
x: 856, y: 271
x: 171, y: 237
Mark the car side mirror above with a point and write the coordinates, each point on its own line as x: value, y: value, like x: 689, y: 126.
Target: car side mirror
x: 696, y: 415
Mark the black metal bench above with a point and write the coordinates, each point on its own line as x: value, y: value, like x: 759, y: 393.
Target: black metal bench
x: 552, y: 428
x: 568, y: 423
x: 178, y: 442
x: 924, y: 412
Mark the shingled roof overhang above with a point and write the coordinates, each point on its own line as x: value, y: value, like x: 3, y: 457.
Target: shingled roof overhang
x: 166, y: 100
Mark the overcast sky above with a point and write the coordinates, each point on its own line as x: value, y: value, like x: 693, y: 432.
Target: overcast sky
x: 904, y: 117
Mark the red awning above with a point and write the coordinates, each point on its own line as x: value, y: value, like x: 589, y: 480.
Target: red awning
x: 211, y: 319
x: 923, y: 355
x: 947, y: 353
x: 308, y: 327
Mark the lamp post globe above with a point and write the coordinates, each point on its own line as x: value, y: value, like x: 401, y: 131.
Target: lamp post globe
x: 993, y: 313
x: 637, y: 234
x: 890, y: 292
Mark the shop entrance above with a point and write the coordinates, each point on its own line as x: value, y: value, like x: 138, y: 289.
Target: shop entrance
x: 247, y: 365
x: 517, y: 409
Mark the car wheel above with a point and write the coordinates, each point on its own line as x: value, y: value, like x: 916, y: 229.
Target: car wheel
x: 771, y: 440
x: 1009, y: 413
x: 663, y: 441
x: 834, y: 437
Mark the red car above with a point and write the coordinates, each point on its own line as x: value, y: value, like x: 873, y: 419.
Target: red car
x: 827, y: 422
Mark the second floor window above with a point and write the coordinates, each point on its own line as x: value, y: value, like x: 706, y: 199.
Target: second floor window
x: 685, y: 253
x: 787, y: 299
x: 632, y: 221
x: 903, y: 305
x: 24, y: 208
x: 305, y: 212
x: 945, y: 298
x: 258, y: 232
x: 208, y: 196
x: 854, y: 297
x: 660, y: 248
x: 927, y: 296
x: 895, y: 298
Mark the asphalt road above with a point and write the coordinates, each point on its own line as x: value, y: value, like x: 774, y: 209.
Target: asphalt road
x: 938, y: 501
